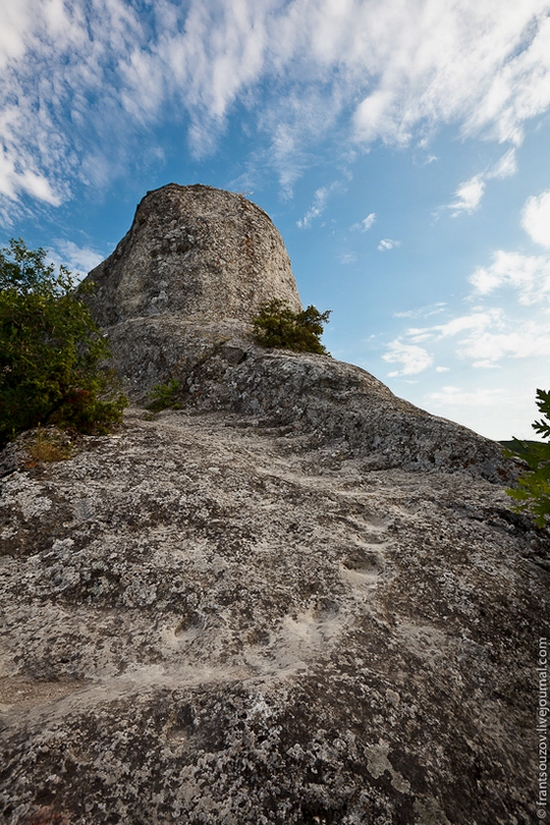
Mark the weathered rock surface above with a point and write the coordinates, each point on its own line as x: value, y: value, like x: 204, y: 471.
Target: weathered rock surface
x: 200, y: 335
x: 297, y: 600
x: 195, y: 251
x: 219, y: 367
x: 206, y: 621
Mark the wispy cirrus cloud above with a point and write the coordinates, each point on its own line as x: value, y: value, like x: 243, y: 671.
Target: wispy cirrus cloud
x: 346, y: 258
x: 112, y: 71
x: 422, y: 312
x: 505, y: 167
x: 316, y: 210
x: 320, y: 200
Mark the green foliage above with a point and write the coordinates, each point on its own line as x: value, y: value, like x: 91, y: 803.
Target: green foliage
x: 164, y: 396
x: 51, y: 353
x: 533, y: 487
x: 276, y: 325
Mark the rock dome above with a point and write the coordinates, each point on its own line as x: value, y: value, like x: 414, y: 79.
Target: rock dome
x: 194, y: 251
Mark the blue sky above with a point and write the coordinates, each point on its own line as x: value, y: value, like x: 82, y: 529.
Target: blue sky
x: 400, y: 146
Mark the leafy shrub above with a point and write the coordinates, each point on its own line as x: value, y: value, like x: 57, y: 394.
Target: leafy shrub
x: 533, y: 487
x: 52, y: 355
x: 164, y: 396
x: 276, y: 325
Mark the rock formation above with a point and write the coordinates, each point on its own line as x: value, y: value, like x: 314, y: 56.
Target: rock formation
x: 196, y: 251
x: 296, y: 600
x: 214, y: 257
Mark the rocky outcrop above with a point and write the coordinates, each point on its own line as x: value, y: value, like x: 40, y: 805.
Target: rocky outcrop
x: 213, y: 257
x: 193, y: 251
x: 219, y: 367
x: 297, y: 600
x: 207, y: 621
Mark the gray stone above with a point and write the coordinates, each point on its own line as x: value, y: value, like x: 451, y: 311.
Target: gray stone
x: 195, y: 251
x: 202, y: 336
x: 298, y: 600
x: 219, y: 367
x: 209, y: 621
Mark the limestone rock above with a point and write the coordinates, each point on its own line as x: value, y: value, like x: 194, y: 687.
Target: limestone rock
x: 201, y: 336
x: 298, y: 600
x: 218, y: 367
x: 194, y: 251
x: 207, y: 621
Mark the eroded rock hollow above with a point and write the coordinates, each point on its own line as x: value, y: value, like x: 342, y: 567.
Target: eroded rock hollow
x: 297, y: 599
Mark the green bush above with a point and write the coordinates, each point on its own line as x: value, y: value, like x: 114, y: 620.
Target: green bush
x: 164, y: 396
x: 52, y: 355
x: 276, y: 325
x: 533, y: 488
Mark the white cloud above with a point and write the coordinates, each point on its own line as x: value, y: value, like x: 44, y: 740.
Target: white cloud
x: 320, y: 200
x: 57, y: 93
x: 519, y: 339
x: 366, y: 223
x: 505, y: 167
x: 458, y: 397
x: 486, y: 364
x: 483, y: 66
x: 386, y: 244
x: 483, y: 338
x: 520, y: 88
x: 413, y: 359
x: 111, y: 71
x: 535, y: 218
x: 16, y: 19
x: 378, y: 116
x: 469, y: 193
x: 348, y: 258
x: 468, y: 196
x: 37, y: 186
x: 29, y: 181
x: 478, y: 321
x: 491, y: 408
x: 80, y: 258
x: 528, y: 274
